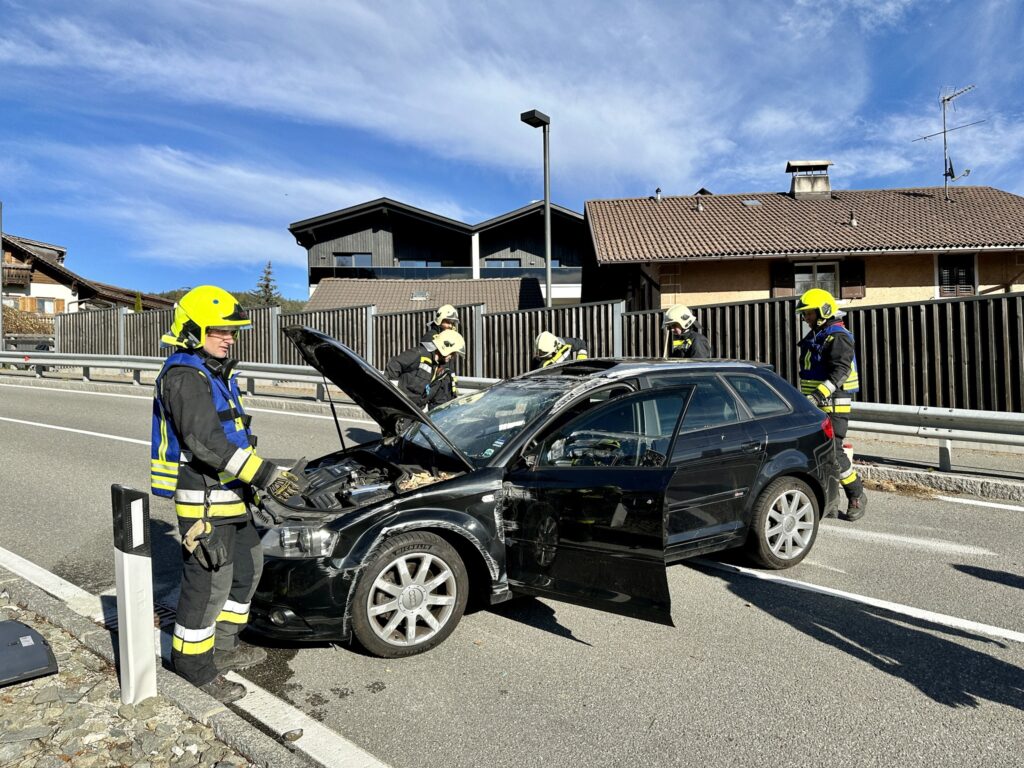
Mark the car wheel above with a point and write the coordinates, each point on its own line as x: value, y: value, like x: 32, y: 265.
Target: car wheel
x: 784, y: 524
x: 410, y: 596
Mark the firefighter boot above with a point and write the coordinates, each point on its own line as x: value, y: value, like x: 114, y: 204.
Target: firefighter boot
x: 223, y: 690
x: 241, y: 656
x: 856, y: 507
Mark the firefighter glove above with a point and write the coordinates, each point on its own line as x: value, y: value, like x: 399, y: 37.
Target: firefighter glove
x: 212, y: 549
x: 286, y: 483
x: 817, y: 399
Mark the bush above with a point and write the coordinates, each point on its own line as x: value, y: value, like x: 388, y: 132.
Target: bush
x: 16, y: 321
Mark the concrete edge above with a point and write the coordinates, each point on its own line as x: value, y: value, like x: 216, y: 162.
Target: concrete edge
x: 234, y: 730
x: 947, y: 482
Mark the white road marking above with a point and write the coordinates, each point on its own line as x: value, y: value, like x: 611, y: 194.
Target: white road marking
x: 977, y: 503
x: 904, y: 610
x: 318, y: 741
x: 78, y: 391
x: 150, y: 398
x: 913, y: 542
x: 77, y: 431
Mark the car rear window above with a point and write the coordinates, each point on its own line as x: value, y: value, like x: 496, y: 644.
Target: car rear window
x: 710, y: 405
x: 760, y: 398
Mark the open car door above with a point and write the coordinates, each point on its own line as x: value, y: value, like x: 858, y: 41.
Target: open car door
x: 584, y: 508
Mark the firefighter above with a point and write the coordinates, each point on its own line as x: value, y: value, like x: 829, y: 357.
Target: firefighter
x: 203, y: 456
x: 829, y: 378
x: 685, y: 337
x: 550, y: 349
x: 445, y: 319
x: 422, y: 372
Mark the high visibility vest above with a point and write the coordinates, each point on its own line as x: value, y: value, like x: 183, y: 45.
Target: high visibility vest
x: 197, y: 490
x: 814, y: 371
x: 562, y: 354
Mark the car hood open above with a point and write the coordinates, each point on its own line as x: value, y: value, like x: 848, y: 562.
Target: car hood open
x: 363, y: 383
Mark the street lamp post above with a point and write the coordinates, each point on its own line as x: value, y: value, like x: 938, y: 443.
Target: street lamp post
x: 538, y: 119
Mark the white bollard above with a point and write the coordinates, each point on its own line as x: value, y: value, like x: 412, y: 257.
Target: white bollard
x: 132, y: 566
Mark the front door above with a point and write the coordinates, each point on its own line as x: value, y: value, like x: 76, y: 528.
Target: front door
x: 585, y: 509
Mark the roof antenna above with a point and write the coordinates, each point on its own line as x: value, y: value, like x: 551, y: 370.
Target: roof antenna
x: 948, y: 174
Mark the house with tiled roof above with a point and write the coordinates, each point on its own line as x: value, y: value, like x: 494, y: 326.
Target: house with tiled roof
x: 865, y: 246
x: 387, y: 239
x: 403, y: 295
x: 35, y: 280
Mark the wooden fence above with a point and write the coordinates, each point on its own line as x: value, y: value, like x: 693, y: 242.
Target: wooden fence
x: 955, y: 353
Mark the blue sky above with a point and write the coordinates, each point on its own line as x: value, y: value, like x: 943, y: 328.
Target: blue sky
x: 170, y: 144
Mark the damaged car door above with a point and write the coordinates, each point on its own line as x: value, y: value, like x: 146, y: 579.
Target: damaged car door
x: 584, y: 508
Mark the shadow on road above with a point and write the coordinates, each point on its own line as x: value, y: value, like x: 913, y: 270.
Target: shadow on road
x: 536, y: 614
x: 999, y: 577
x: 911, y: 649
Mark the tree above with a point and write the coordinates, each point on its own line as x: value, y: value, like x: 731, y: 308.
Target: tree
x: 138, y: 301
x: 266, y: 294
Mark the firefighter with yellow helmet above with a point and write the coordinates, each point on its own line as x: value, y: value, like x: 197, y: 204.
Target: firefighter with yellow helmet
x: 549, y: 349
x: 445, y: 319
x: 685, y: 337
x: 204, y: 456
x: 422, y: 372
x: 829, y: 379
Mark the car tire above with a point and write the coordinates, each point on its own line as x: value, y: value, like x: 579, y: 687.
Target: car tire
x: 399, y: 609
x: 784, y: 525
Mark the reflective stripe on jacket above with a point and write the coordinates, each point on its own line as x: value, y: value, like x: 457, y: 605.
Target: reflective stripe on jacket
x: 199, y: 489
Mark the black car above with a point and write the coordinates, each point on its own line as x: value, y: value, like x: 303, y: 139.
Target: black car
x: 577, y: 482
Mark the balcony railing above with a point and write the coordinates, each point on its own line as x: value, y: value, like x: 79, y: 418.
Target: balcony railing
x: 559, y: 275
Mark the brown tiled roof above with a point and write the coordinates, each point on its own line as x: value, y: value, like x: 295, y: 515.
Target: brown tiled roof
x: 645, y: 229
x: 126, y: 296
x: 501, y: 294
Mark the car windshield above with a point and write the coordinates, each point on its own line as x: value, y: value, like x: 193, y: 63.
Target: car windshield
x: 481, y: 423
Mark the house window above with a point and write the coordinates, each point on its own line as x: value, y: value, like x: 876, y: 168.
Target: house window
x: 353, y: 260
x: 956, y: 274
x: 505, y: 263
x: 816, y: 274
x: 418, y: 263
x: 45, y: 306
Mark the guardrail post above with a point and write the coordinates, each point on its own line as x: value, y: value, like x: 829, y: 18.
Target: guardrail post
x: 320, y: 392
x: 137, y: 377
x: 250, y: 385
x: 134, y: 574
x: 85, y: 373
x: 946, y: 455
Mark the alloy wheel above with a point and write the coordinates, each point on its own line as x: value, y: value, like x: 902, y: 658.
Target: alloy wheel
x: 411, y: 599
x: 789, y: 524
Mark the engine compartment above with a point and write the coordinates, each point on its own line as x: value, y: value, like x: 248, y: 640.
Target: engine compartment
x: 339, y: 483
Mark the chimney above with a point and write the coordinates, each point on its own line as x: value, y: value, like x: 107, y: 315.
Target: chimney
x: 810, y: 179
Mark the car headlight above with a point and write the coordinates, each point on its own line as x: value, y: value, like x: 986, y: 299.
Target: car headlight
x: 299, y: 541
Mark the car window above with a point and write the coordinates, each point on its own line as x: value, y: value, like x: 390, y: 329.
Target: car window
x: 710, y: 405
x: 760, y: 398
x: 630, y: 432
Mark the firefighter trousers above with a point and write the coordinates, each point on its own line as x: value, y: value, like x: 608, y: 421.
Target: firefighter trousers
x: 853, y: 486
x: 213, y: 606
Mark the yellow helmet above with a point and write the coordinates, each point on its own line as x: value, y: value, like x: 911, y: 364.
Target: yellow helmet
x: 450, y: 342
x: 546, y: 344
x: 446, y: 312
x: 200, y: 309
x: 679, y: 314
x: 819, y: 299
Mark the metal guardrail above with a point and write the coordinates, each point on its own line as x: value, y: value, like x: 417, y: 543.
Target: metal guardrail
x: 943, y: 424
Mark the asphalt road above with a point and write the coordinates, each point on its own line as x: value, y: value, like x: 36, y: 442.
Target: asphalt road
x: 754, y: 673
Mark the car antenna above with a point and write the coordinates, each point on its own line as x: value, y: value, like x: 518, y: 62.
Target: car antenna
x: 334, y: 412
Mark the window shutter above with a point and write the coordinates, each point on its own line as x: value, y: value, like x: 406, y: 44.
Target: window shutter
x: 956, y: 275
x: 851, y: 279
x: 782, y: 278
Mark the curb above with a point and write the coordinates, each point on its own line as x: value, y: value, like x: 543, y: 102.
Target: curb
x: 947, y: 482
x: 235, y: 731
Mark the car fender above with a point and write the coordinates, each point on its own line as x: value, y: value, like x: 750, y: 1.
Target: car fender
x: 787, y: 462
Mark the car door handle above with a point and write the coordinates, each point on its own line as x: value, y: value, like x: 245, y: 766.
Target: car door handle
x: 753, y: 447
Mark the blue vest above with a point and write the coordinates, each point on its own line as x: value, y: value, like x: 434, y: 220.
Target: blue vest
x: 813, y: 370
x: 166, y: 447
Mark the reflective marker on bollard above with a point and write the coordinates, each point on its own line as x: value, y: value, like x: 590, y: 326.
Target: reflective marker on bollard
x: 132, y: 558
